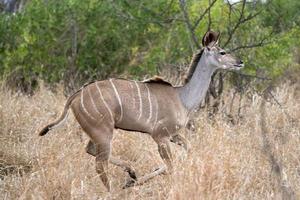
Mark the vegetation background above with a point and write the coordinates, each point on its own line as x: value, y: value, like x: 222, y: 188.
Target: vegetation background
x: 245, y: 141
x: 64, y: 41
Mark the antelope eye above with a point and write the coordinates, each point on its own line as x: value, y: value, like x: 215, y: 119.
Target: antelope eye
x: 222, y: 52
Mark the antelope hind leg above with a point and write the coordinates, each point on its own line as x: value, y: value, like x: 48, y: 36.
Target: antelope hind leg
x: 102, y: 146
x: 91, y: 149
x: 102, y: 158
x: 125, y: 165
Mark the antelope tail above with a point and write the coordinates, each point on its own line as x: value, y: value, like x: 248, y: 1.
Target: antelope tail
x: 62, y: 117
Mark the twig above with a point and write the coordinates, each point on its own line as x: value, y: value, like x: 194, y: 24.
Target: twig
x: 279, y: 104
x: 126, y: 14
x: 242, y: 19
x: 261, y: 43
x: 203, y: 14
x: 249, y: 46
x: 209, y: 17
x: 251, y: 76
x: 239, y: 22
x: 188, y: 22
x: 267, y: 92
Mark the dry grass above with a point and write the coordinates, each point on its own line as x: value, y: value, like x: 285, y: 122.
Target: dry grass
x: 226, y: 161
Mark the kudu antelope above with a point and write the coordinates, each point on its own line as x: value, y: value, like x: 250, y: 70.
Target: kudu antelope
x: 154, y: 107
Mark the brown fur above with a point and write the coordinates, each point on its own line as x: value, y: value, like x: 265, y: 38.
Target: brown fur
x: 157, y: 79
x: 99, y: 118
x: 193, y: 65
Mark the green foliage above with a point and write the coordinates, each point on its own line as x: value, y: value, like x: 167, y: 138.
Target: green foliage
x: 53, y: 40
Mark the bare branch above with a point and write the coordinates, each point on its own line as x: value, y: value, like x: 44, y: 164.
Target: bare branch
x: 156, y: 19
x: 261, y: 43
x: 229, y: 16
x: 249, y: 46
x: 267, y: 94
x: 242, y: 19
x: 251, y: 76
x: 235, y: 3
x: 250, y: 16
x: 203, y: 14
x: 239, y: 22
x: 188, y: 22
x: 209, y: 18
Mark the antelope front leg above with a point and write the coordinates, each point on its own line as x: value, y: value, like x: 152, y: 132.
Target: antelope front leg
x: 165, y: 153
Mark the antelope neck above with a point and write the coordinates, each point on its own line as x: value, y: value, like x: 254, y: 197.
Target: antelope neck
x: 194, y: 91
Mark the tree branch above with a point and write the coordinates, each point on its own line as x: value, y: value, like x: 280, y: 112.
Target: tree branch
x: 249, y: 46
x: 242, y: 19
x: 209, y: 18
x: 155, y: 19
x: 239, y: 22
x: 250, y: 76
x: 188, y: 22
x: 261, y: 43
x: 203, y: 14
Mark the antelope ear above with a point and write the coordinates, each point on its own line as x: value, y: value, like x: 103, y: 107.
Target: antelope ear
x: 210, y: 38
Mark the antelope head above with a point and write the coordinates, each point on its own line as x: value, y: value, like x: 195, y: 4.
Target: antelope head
x: 216, y: 56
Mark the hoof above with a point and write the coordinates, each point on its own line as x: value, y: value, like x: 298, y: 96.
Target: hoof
x: 132, y: 174
x: 129, y: 183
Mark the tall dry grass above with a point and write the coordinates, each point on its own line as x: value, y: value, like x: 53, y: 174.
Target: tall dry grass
x: 257, y: 157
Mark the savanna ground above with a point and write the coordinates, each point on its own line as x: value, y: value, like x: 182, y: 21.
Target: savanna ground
x: 253, y: 155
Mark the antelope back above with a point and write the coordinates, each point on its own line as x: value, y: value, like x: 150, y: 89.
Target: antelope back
x: 132, y: 105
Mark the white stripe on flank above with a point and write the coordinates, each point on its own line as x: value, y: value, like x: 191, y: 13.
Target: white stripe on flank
x: 140, y: 98
x: 156, y: 114
x: 119, y: 99
x: 150, y: 103
x: 92, y: 100
x: 165, y: 128
x: 131, y: 86
x: 83, y: 107
x: 105, y: 104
